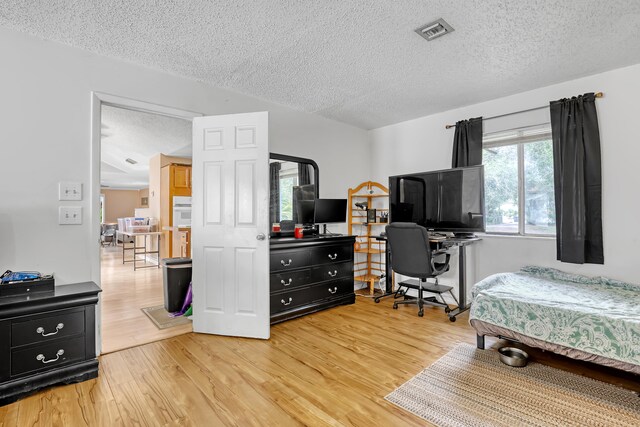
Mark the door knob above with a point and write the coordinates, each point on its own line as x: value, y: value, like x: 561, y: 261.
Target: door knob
x: 261, y: 236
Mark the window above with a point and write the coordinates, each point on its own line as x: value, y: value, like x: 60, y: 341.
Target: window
x: 288, y: 180
x: 519, y: 194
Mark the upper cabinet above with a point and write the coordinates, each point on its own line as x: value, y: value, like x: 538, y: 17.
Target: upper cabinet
x: 180, y: 178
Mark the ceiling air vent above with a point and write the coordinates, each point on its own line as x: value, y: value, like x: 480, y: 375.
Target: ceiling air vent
x: 434, y: 29
x: 128, y: 160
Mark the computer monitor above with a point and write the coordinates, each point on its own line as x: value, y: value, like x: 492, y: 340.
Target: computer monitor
x: 444, y: 200
x: 330, y: 210
x: 303, y: 202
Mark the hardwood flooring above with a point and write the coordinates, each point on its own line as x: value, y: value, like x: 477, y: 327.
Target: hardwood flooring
x: 329, y: 368
x: 124, y: 293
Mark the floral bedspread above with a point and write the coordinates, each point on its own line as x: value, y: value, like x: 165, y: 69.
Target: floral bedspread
x: 593, y: 314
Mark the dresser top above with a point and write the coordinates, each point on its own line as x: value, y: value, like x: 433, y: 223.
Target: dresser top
x: 319, y: 239
x: 60, y: 293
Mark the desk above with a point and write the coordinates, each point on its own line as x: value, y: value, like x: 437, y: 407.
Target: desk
x: 449, y: 242
x: 141, y: 250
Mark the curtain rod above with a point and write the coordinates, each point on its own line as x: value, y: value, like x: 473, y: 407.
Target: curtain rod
x: 597, y: 95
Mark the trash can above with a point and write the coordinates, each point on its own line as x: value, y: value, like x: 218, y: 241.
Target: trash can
x: 176, y: 278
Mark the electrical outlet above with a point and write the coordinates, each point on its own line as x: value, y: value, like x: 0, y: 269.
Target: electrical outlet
x: 70, y: 215
x: 70, y: 191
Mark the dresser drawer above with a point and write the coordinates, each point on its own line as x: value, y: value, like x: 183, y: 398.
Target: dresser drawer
x: 289, y: 260
x: 47, y: 355
x: 289, y: 280
x: 333, y: 289
x: 287, y: 300
x: 331, y: 254
x: 57, y: 324
x: 332, y: 272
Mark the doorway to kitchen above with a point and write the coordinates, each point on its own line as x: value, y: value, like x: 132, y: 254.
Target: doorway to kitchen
x: 141, y: 154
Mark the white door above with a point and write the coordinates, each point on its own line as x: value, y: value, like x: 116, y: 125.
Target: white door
x: 230, y: 191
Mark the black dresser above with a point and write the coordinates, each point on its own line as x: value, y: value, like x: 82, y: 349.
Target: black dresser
x: 310, y: 274
x: 47, y: 339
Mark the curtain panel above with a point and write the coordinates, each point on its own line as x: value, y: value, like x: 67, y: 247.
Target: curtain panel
x: 274, y: 192
x: 467, y: 143
x: 577, y: 179
x: 304, y: 176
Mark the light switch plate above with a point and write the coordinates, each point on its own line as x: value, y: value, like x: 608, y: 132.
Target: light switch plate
x: 70, y: 215
x: 70, y: 190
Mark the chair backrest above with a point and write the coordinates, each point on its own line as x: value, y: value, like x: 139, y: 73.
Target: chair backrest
x: 410, y: 251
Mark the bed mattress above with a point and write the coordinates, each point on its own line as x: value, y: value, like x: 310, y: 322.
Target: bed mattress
x: 594, y: 315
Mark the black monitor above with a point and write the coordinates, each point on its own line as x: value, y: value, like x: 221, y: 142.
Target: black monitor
x: 303, y: 202
x: 330, y: 210
x: 445, y: 200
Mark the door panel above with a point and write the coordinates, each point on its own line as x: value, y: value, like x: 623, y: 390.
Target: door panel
x: 245, y: 193
x: 230, y: 225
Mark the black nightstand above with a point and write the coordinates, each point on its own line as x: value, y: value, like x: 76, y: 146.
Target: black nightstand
x: 47, y: 339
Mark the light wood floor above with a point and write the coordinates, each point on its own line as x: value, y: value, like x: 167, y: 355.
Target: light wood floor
x: 124, y: 293
x: 329, y: 368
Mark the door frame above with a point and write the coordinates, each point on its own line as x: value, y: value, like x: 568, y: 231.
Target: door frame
x: 98, y: 99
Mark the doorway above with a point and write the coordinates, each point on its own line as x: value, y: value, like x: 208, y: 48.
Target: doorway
x: 131, y: 141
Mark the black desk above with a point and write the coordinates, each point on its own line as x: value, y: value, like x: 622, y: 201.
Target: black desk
x: 447, y: 243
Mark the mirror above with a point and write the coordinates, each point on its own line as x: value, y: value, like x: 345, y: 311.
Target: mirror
x: 293, y: 183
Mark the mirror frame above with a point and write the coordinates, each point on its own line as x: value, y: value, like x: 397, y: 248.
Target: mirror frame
x: 316, y: 170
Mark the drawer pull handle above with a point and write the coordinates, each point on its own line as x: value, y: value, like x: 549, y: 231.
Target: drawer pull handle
x: 40, y: 330
x: 333, y: 257
x: 286, y: 283
x: 334, y: 290
x: 285, y: 264
x: 286, y: 303
x: 334, y: 274
x: 40, y: 357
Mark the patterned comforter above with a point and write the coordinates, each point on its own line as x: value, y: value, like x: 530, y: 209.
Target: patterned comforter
x: 594, y: 314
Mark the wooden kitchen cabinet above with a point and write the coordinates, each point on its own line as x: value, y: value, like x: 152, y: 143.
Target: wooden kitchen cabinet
x: 180, y: 176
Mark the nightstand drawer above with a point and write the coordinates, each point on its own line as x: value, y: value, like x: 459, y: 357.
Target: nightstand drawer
x: 289, y: 280
x: 46, y: 356
x: 331, y: 254
x: 54, y: 325
x: 332, y: 271
x: 289, y: 260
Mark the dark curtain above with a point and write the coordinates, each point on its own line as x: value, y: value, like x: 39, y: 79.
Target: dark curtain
x: 467, y: 143
x: 578, y: 180
x: 304, y: 177
x: 274, y: 192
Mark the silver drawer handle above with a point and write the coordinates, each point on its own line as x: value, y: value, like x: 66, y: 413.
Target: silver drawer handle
x: 286, y: 264
x: 286, y: 303
x: 334, y: 290
x: 334, y: 274
x: 40, y: 357
x: 333, y: 257
x: 286, y: 283
x: 40, y: 330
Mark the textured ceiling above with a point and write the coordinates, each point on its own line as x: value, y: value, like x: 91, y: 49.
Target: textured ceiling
x: 355, y: 61
x: 138, y: 136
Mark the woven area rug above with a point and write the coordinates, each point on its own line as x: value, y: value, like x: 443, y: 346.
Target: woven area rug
x: 161, y: 318
x: 470, y: 387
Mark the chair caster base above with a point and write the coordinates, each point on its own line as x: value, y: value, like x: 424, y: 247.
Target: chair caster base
x: 421, y: 313
x: 395, y: 306
x: 376, y: 300
x: 452, y: 318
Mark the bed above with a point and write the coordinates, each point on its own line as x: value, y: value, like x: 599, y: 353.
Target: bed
x: 588, y: 318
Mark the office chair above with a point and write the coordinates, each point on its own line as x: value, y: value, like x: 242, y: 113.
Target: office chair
x: 411, y: 256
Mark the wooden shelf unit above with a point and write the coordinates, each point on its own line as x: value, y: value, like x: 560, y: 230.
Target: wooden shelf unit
x: 370, y: 269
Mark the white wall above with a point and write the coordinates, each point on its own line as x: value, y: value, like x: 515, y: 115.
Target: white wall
x: 424, y: 144
x: 45, y: 138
